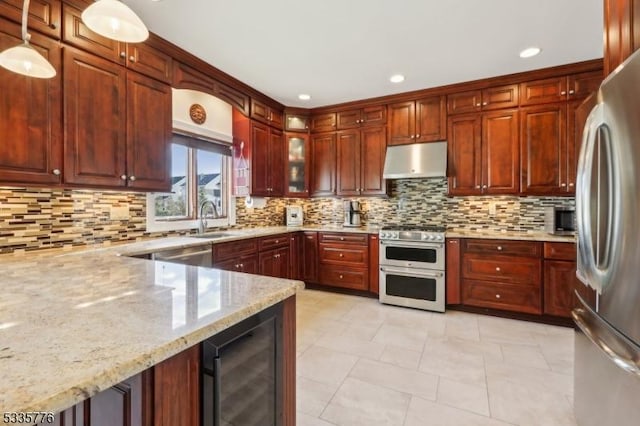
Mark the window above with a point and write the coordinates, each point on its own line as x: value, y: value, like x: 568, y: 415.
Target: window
x: 200, y: 171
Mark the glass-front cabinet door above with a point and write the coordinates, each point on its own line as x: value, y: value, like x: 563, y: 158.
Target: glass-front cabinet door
x: 297, y: 172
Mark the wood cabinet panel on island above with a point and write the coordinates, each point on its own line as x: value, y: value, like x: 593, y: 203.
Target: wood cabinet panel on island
x: 30, y: 116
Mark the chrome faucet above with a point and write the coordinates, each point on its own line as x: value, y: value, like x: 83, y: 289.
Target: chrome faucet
x: 202, y: 226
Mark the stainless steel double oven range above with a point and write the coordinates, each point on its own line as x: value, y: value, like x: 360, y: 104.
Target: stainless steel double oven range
x: 412, y: 267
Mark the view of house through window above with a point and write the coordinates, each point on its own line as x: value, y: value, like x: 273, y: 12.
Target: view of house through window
x: 198, y: 174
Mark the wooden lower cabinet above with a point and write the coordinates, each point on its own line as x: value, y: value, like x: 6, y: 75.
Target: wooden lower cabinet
x: 560, y: 281
x: 296, y: 257
x: 176, y: 390
x: 374, y: 264
x: 452, y: 247
x: 310, y: 256
x: 247, y: 264
x: 274, y: 263
x: 344, y: 260
x: 502, y: 274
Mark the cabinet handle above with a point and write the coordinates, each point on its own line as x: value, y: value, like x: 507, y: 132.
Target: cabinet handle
x: 497, y: 269
x: 571, y: 92
x: 56, y: 172
x: 571, y: 184
x: 453, y: 242
x: 123, y: 55
x: 485, y: 103
x: 563, y: 93
x: 132, y: 178
x: 478, y: 104
x: 499, y: 248
x: 123, y: 177
x: 497, y: 296
x: 563, y: 185
x: 477, y: 186
x: 132, y: 58
x: 484, y: 186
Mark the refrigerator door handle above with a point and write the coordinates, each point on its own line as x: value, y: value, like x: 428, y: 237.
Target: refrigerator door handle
x: 586, y: 249
x: 620, y: 350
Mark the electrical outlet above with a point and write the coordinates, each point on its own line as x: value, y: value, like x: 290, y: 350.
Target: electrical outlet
x: 492, y: 209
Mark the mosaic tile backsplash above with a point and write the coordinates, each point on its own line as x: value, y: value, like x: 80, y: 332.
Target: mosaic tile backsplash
x: 32, y: 219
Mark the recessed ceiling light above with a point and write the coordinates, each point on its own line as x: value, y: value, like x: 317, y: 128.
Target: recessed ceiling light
x: 397, y: 78
x: 529, y: 52
x: 304, y: 97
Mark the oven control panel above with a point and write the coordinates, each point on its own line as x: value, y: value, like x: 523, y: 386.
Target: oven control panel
x: 412, y: 236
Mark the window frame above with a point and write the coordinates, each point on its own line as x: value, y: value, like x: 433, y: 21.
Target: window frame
x: 155, y: 224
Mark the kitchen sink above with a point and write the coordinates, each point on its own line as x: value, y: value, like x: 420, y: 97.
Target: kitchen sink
x: 213, y: 235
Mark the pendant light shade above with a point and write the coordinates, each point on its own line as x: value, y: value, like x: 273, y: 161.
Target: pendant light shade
x: 113, y: 19
x: 24, y: 59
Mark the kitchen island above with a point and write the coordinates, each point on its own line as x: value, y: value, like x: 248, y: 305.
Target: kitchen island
x: 74, y: 325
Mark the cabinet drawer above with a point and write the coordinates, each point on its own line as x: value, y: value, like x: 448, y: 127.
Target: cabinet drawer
x: 247, y: 264
x: 353, y: 278
x: 266, y: 243
x: 337, y: 237
x: 511, y: 269
x: 344, y: 254
x: 560, y: 251
x: 503, y: 247
x: 234, y: 249
x: 502, y: 296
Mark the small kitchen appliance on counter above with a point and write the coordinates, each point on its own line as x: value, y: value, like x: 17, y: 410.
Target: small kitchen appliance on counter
x: 352, y: 214
x: 412, y: 267
x: 560, y: 221
x: 294, y: 216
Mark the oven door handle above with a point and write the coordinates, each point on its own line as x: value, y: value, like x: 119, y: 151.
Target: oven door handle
x: 413, y: 272
x: 412, y: 245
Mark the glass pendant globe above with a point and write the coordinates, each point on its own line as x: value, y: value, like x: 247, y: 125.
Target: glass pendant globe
x: 113, y: 19
x: 26, y: 60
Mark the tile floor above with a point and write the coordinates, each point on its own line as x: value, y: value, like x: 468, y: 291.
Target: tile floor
x: 363, y: 363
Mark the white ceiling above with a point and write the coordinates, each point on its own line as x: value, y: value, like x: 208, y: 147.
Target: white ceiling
x: 343, y: 50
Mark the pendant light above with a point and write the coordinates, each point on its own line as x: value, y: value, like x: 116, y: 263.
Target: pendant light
x: 113, y: 19
x: 24, y: 59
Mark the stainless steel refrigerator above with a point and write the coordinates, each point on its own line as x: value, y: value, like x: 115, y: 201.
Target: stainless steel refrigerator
x: 607, y: 344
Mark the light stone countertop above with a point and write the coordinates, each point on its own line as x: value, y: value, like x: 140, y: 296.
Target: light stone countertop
x: 511, y: 235
x: 74, y: 325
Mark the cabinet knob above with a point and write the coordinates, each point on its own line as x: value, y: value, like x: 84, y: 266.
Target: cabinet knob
x: 132, y: 178
x: 484, y: 186
x: 277, y: 241
x: 563, y: 93
x: 341, y: 255
x: 242, y: 265
x: 237, y: 265
x: 485, y: 103
x: 563, y: 185
x: 132, y: 58
x: 453, y: 242
x: 571, y: 184
x: 341, y: 277
x: 499, y: 248
x: 418, y: 136
x: 477, y: 186
x: 292, y: 238
x: 497, y: 269
x: 412, y: 137
x: 123, y: 177
x: 341, y: 238
x: 497, y: 296
x: 478, y: 104
x: 123, y: 54
x: 571, y: 92
x: 56, y: 172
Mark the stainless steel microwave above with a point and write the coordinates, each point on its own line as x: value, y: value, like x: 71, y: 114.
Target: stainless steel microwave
x: 560, y: 221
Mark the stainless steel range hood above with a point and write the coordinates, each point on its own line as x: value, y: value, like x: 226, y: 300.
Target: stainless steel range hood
x: 419, y: 160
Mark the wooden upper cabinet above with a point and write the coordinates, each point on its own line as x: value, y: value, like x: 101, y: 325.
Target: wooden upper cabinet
x: 431, y: 119
x: 296, y: 123
x: 543, y: 149
x: 373, y: 146
x: 577, y: 113
x: 149, y: 117
x: 266, y: 114
x: 45, y: 16
x: 323, y: 164
x: 323, y: 122
x: 94, y: 120
x: 423, y: 120
x: 621, y: 31
x: 30, y: 116
x: 348, y: 162
x: 557, y: 89
x: 464, y: 154
x: 148, y: 60
x: 76, y: 33
x: 276, y: 162
x: 483, y: 100
x: 260, y: 159
x: 374, y: 115
x: 500, y: 152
